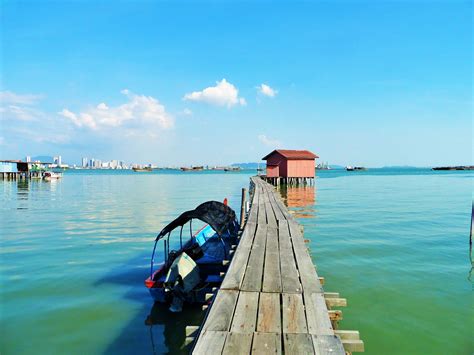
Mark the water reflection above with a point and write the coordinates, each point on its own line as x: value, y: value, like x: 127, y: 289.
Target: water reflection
x: 171, y: 327
x: 301, y: 199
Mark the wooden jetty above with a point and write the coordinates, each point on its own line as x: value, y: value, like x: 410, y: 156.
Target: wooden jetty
x: 271, y: 299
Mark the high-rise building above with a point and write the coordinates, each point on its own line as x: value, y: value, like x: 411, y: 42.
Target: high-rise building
x: 91, y: 163
x: 28, y: 159
x: 84, y: 162
x: 57, y: 160
x: 114, y: 164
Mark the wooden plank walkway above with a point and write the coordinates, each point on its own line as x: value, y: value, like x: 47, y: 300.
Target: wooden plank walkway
x: 271, y: 299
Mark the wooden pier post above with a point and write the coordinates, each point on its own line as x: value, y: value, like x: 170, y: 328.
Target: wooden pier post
x: 242, y: 207
x: 472, y: 217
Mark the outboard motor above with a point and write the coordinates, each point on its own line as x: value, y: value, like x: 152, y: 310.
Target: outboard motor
x: 182, y: 277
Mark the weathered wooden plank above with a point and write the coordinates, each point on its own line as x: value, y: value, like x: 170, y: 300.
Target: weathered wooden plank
x: 317, y: 314
x: 271, y: 272
x: 222, y: 311
x: 279, y: 203
x: 269, y: 319
x: 327, y: 345
x: 266, y: 343
x: 262, y: 215
x: 245, y: 315
x: 276, y: 210
x: 235, y: 274
x: 308, y: 274
x: 353, y: 346
x: 271, y: 219
x: 294, y: 320
x: 237, y: 343
x: 289, y: 273
x: 254, y: 272
x: 336, y: 302
x: 298, y: 344
x: 348, y: 334
x: 253, y: 205
x: 246, y: 240
x: 210, y: 342
x: 290, y: 282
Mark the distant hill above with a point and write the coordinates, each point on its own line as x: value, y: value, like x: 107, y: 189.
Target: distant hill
x: 43, y: 159
x: 400, y: 167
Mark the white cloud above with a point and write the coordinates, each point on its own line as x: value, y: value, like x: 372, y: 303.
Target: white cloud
x: 140, y: 110
x: 223, y: 94
x: 21, y: 113
x: 266, y: 90
x: 19, y: 107
x: 8, y: 97
x: 187, y: 112
x: 269, y: 142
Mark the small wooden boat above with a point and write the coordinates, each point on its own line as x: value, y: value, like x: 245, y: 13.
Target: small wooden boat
x: 145, y: 169
x: 462, y: 167
x: 355, y: 168
x: 193, y: 268
x: 51, y: 175
x: 234, y: 168
x: 194, y: 168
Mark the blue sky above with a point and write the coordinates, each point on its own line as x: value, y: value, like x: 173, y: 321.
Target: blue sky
x: 174, y: 83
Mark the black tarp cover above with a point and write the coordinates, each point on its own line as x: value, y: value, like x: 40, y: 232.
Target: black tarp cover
x: 219, y: 216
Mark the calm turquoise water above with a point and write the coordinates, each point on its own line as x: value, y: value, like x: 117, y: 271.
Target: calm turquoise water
x: 74, y: 254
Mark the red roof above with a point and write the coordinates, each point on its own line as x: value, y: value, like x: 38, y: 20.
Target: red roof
x: 293, y: 154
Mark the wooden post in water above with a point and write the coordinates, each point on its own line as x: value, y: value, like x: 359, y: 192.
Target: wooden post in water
x: 472, y: 216
x: 242, y: 208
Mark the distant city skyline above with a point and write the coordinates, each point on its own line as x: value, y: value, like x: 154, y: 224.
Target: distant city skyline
x: 359, y: 83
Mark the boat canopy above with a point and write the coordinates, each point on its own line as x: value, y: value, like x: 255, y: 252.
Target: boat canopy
x: 218, y: 215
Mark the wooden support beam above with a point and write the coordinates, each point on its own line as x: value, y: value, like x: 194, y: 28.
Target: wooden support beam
x: 188, y: 340
x: 321, y: 280
x: 225, y: 262
x: 191, y: 330
x: 353, y: 346
x: 331, y: 294
x: 336, y: 302
x: 348, y: 334
x: 335, y: 315
x: 209, y: 296
x: 222, y: 274
x: 205, y: 307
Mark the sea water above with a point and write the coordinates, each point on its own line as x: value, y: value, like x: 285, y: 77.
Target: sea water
x: 74, y: 254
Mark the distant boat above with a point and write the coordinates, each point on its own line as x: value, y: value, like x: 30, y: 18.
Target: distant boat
x: 51, y: 175
x: 194, y: 168
x: 234, y: 168
x: 139, y: 170
x: 462, y: 167
x: 323, y: 166
x: 355, y: 168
